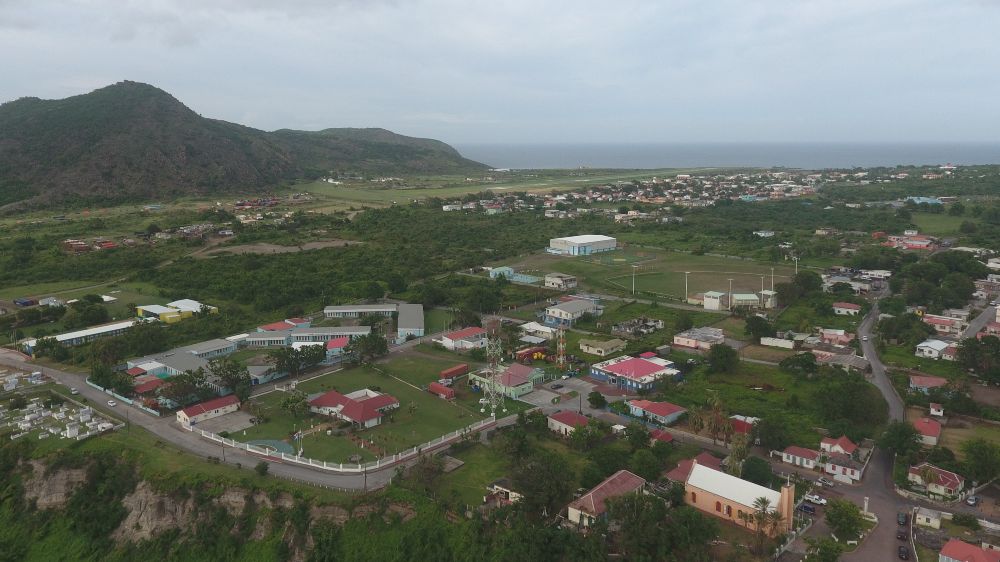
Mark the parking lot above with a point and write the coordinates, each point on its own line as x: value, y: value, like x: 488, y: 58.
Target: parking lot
x: 231, y: 423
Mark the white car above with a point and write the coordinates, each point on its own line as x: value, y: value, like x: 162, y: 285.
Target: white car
x: 484, y: 400
x: 813, y: 498
x: 864, y: 338
x: 824, y: 482
x: 112, y: 403
x: 74, y: 391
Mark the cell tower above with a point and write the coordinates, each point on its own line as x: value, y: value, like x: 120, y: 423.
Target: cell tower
x: 561, y: 348
x: 493, y: 392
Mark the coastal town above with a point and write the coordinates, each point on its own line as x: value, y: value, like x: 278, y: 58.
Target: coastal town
x: 605, y: 347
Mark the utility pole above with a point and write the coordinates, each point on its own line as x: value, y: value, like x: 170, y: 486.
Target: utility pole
x: 772, y: 278
x: 686, y: 293
x: 633, y: 278
x: 796, y: 260
x: 730, y: 294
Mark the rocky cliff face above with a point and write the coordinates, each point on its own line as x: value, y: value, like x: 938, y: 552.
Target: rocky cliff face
x: 151, y: 512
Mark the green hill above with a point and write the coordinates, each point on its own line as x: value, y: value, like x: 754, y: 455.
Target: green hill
x: 132, y: 141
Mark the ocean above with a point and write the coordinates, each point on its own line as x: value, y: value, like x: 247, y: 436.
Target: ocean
x: 757, y: 155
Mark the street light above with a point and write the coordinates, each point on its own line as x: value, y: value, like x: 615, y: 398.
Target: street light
x: 634, y: 267
x: 730, y: 294
x: 686, y: 293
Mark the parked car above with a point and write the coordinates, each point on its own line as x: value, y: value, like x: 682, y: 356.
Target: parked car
x: 484, y: 400
x: 813, y: 498
x: 902, y: 535
x: 864, y: 338
x: 112, y: 403
x: 972, y: 500
x: 822, y: 481
x: 74, y: 391
x: 904, y: 553
x: 806, y: 508
x: 564, y: 377
x: 556, y: 386
x: 902, y: 518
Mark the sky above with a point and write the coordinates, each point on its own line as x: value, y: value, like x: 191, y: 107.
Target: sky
x: 535, y: 71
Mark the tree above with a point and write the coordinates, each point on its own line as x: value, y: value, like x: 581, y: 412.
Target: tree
x: 761, y: 519
x: 232, y: 375
x: 638, y: 436
x: 396, y: 283
x: 587, y: 437
x: 982, y: 459
x: 758, y: 327
x: 541, y: 477
x: 956, y: 209
x: 597, y: 400
x: 367, y: 348
x: 757, y: 470
x: 187, y: 387
x: 901, y: 438
x: 295, y: 403
x: 844, y: 518
x: 738, y: 451
x: 644, y: 463
x: 684, y: 321
x: 824, y: 549
x: 801, y: 365
x: 261, y: 468
x: 640, y: 520
x: 722, y: 359
x: 771, y: 431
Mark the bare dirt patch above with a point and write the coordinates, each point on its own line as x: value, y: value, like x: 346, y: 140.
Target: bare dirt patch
x: 265, y: 248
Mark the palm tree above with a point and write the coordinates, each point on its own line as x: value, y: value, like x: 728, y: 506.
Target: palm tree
x: 774, y: 521
x: 738, y: 454
x: 761, y: 518
x: 696, y: 420
x: 928, y: 476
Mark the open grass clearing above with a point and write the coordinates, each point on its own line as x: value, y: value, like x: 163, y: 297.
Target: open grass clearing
x: 657, y: 271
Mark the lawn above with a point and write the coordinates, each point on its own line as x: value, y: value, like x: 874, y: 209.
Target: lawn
x: 939, y: 224
x: 658, y: 272
x: 903, y: 357
x: 420, y: 418
x: 959, y: 431
x: 733, y: 327
x: 437, y: 320
x: 803, y: 318
x: 483, y: 465
x: 763, y: 353
x: 417, y: 368
x: 737, y: 396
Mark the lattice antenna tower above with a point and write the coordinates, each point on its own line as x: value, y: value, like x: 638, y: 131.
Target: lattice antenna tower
x: 493, y: 392
x: 561, y: 348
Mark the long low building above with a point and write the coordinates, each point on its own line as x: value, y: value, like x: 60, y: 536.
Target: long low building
x: 582, y: 245
x: 87, y: 335
x: 207, y: 410
x: 359, y: 310
x: 633, y: 373
x: 319, y: 334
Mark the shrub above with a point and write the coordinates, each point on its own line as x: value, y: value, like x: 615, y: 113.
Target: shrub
x: 261, y: 468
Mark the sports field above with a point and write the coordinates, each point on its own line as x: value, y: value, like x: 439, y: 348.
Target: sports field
x: 658, y: 272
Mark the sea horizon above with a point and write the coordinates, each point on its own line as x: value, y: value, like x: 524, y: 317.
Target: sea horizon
x: 811, y: 155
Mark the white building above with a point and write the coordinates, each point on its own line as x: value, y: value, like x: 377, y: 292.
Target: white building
x: 207, y: 410
x: 560, y: 281
x: 931, y: 349
x: 714, y: 300
x: 582, y: 245
x: 467, y: 338
x: 358, y: 310
x: 565, y: 313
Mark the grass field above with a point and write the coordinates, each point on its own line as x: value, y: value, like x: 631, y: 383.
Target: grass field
x: 803, y: 318
x: 421, y: 416
x: 437, y: 320
x: 903, y: 357
x: 735, y: 393
x: 939, y: 224
x: 658, y: 272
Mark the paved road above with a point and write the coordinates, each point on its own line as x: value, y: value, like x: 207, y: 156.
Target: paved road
x: 166, y: 429
x: 988, y: 315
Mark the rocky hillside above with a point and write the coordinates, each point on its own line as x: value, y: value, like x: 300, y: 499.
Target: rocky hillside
x: 132, y: 141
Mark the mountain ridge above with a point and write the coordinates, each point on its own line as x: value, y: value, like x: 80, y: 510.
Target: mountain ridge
x: 133, y: 141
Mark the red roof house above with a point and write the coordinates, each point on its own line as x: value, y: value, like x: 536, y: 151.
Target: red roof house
x: 208, y: 409
x: 136, y: 372
x: 363, y: 407
x: 441, y: 390
x: 961, y: 551
x: 800, y: 456
x: 929, y: 430
x: 660, y: 435
x: 567, y: 421
x: 338, y: 343
x: 839, y: 445
x: 287, y: 324
x: 945, y: 482
x: 148, y: 385
x: 592, y: 505
x: 683, y: 469
x: 663, y: 412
